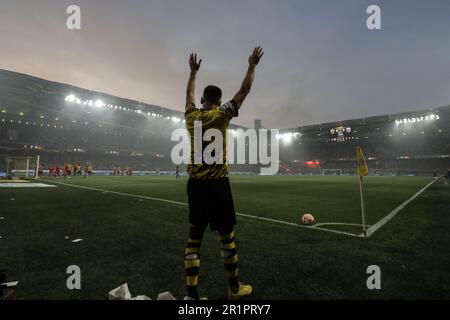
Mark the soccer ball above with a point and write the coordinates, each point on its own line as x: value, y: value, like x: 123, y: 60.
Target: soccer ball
x: 307, y: 219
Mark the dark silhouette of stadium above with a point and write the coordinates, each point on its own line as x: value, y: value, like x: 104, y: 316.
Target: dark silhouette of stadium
x: 63, y: 123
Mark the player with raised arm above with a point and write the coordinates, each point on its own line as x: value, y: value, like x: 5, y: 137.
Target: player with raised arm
x: 208, y: 188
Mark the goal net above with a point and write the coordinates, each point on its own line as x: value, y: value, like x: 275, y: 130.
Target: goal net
x: 384, y: 172
x: 331, y: 172
x: 22, y: 167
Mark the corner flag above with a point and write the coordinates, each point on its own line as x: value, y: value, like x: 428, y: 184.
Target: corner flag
x: 362, y: 166
x: 362, y: 171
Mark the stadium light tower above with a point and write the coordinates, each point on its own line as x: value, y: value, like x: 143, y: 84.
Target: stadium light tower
x: 285, y: 137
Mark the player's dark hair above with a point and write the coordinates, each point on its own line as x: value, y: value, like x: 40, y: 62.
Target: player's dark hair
x: 212, y: 94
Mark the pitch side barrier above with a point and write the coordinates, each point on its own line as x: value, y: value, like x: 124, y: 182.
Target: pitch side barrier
x: 106, y: 173
x: 351, y: 172
x: 343, y: 172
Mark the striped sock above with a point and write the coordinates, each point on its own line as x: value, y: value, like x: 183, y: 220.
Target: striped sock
x: 192, y: 260
x: 230, y: 258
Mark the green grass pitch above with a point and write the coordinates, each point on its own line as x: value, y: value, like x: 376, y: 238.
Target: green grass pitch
x: 141, y: 240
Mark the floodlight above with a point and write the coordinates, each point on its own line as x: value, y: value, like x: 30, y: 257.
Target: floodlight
x: 99, y: 103
x: 287, y: 137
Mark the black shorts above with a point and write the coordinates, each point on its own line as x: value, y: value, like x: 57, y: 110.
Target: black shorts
x: 211, y: 202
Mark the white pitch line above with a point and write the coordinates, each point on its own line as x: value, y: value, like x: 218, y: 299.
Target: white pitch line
x: 124, y: 185
x: 296, y: 225
x: 119, y: 193
x: 370, y: 231
x: 185, y: 204
x: 338, y: 224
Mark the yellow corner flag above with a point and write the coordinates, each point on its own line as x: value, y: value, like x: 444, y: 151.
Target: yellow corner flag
x: 362, y: 166
x: 362, y: 171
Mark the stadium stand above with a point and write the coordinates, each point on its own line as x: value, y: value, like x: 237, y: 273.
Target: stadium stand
x: 63, y: 123
x: 407, y: 143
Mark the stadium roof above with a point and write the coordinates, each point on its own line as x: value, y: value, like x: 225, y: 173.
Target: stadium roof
x: 20, y: 91
x: 441, y: 112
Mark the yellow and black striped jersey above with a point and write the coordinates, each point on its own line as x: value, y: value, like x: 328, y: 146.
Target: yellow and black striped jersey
x: 217, y: 118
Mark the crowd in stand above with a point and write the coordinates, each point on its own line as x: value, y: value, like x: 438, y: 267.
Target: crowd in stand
x: 110, y: 148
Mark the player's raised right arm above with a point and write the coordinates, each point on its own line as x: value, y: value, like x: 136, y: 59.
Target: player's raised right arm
x: 253, y: 61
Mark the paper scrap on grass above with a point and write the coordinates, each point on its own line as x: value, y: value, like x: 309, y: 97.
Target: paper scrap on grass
x: 166, y: 296
x: 141, y: 297
x: 123, y: 293
x: 10, y: 284
x: 2, y: 218
x: 120, y: 293
x: 77, y: 240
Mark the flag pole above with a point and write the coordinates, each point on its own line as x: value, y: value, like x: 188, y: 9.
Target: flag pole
x: 362, y: 171
x: 37, y: 167
x: 363, y: 211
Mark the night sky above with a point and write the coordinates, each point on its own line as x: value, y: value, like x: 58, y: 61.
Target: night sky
x: 321, y: 63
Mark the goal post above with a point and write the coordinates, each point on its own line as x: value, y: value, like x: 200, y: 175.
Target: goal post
x: 331, y: 172
x: 22, y: 167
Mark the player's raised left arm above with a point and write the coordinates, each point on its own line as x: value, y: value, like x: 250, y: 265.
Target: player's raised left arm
x: 253, y: 61
x: 190, y: 90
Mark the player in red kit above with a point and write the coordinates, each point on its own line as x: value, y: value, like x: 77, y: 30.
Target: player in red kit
x: 74, y: 169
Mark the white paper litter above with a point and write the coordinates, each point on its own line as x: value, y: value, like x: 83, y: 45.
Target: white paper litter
x: 2, y: 218
x: 10, y: 284
x: 120, y: 293
x: 141, y: 297
x: 123, y: 293
x: 77, y: 240
x: 166, y: 296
